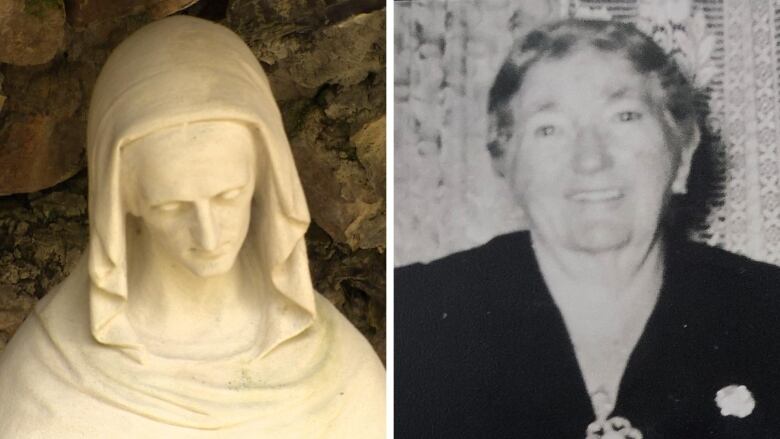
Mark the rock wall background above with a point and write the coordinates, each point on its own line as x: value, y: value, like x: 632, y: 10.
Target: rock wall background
x: 326, y: 63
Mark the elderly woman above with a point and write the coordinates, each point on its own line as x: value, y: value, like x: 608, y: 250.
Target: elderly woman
x: 597, y: 322
x: 192, y: 314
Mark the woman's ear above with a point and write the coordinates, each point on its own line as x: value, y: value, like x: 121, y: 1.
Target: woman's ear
x: 680, y: 183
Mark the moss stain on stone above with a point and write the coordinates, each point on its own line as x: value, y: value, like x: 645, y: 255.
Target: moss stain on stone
x: 39, y: 7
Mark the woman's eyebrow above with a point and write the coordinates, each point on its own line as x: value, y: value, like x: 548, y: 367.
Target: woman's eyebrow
x: 546, y: 106
x: 623, y: 92
x: 540, y: 107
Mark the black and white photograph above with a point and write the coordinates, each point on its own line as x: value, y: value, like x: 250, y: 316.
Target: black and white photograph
x: 587, y: 219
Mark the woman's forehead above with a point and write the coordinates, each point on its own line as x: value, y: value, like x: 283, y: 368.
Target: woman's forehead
x: 585, y: 76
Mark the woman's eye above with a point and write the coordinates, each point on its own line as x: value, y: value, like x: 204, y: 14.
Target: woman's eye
x: 229, y: 195
x: 629, y: 116
x: 545, y: 131
x: 168, y: 207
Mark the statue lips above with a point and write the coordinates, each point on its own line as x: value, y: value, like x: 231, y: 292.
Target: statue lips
x: 211, y: 254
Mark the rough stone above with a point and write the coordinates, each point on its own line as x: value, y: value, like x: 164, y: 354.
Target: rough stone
x: 341, y: 196
x: 353, y: 281
x: 370, y: 146
x: 351, y: 206
x: 45, y: 114
x: 13, y: 309
x: 84, y: 12
x: 25, y: 141
x: 42, y: 235
x: 300, y: 59
x: 31, y: 31
x: 40, y: 142
x: 2, y: 97
x: 298, y: 14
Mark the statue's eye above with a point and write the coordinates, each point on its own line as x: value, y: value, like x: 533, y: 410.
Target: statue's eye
x: 168, y: 207
x: 229, y: 195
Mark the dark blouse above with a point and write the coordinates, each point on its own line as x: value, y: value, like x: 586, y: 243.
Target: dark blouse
x: 481, y: 350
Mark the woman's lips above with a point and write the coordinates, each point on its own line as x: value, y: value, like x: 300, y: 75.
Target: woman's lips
x: 595, y: 195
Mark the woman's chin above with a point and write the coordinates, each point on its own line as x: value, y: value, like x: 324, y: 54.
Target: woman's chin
x: 601, y: 237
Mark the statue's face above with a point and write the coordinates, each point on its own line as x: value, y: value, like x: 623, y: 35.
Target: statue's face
x: 194, y: 188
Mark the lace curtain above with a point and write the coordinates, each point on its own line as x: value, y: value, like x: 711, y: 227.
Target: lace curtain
x: 448, y: 52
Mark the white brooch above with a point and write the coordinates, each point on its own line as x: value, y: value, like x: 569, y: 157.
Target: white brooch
x: 735, y: 400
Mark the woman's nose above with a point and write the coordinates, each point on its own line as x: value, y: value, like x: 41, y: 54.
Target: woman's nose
x: 206, y: 231
x: 591, y: 152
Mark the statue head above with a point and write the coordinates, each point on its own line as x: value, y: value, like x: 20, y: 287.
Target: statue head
x: 185, y: 135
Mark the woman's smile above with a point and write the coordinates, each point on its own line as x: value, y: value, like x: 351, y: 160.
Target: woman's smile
x: 595, y: 195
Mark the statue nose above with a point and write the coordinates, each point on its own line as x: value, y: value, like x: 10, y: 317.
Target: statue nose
x: 206, y: 229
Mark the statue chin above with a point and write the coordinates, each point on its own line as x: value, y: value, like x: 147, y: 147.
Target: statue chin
x: 203, y: 322
x: 211, y: 268
x: 209, y: 265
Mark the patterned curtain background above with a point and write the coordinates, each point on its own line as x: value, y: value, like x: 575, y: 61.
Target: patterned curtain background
x: 448, y: 52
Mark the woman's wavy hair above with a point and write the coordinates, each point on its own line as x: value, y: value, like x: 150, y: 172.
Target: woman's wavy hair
x: 556, y: 40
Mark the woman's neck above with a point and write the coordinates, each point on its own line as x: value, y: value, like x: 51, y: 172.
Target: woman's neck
x: 613, y: 276
x: 174, y: 311
x: 605, y: 301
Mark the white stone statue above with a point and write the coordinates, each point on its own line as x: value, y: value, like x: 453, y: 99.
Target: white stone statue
x: 192, y: 314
